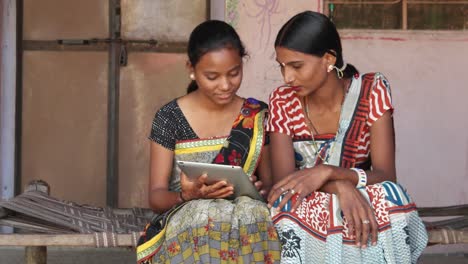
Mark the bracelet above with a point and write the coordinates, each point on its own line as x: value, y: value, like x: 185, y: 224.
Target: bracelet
x: 362, y: 180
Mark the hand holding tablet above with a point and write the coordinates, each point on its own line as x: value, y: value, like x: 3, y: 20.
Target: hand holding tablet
x: 232, y: 174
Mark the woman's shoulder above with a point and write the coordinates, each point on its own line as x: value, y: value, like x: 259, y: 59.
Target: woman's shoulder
x: 381, y: 78
x: 169, y: 113
x: 376, y: 76
x: 283, y: 93
x: 169, y: 109
x: 375, y: 82
x: 377, y: 91
x: 171, y: 105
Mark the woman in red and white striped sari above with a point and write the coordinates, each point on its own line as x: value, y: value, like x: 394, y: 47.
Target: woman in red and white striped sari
x: 331, y: 202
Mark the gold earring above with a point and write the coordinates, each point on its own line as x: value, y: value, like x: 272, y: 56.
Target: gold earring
x: 192, y: 76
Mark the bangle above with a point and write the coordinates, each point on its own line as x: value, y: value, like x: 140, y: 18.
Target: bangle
x: 181, y: 197
x: 362, y: 177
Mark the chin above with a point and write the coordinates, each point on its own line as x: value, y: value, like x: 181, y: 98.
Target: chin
x: 302, y: 92
x: 223, y: 101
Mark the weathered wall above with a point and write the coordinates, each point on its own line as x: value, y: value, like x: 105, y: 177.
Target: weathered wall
x: 64, y: 123
x: 148, y: 82
x: 65, y: 94
x: 64, y: 107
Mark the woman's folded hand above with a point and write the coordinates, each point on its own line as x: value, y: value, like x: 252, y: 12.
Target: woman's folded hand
x: 301, y: 183
x: 358, y: 213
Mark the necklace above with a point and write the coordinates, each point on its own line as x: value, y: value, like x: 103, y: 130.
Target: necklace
x: 312, y: 128
x: 315, y: 146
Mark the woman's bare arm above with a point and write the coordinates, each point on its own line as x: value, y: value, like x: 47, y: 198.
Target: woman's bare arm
x: 282, y: 156
x: 161, y: 160
x: 264, y: 171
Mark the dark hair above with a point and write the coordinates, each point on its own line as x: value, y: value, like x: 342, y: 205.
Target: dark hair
x: 315, y: 34
x: 209, y: 36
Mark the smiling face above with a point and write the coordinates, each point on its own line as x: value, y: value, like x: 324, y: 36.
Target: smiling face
x: 218, y: 74
x: 306, y: 73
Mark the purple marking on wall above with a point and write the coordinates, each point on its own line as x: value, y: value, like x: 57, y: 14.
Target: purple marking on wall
x: 264, y: 13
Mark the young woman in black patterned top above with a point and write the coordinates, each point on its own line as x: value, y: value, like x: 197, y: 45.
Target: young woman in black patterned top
x: 210, y: 124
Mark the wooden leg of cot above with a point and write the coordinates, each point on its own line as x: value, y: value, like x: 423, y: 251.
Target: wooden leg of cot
x: 36, y: 255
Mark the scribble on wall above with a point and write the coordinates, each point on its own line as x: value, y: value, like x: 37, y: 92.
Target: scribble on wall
x: 257, y: 22
x: 263, y: 12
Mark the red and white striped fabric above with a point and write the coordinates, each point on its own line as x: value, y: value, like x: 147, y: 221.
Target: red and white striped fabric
x: 380, y: 100
x: 287, y: 115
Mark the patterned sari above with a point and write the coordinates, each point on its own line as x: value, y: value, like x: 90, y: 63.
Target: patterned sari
x: 217, y: 230
x: 317, y: 232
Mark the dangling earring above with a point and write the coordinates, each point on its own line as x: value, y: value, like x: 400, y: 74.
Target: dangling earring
x: 339, y: 71
x: 192, y: 76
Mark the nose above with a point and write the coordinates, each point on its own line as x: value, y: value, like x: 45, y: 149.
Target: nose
x: 288, y: 76
x: 226, y: 84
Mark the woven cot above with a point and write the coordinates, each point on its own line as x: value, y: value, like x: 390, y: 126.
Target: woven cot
x: 453, y: 230
x: 36, y: 212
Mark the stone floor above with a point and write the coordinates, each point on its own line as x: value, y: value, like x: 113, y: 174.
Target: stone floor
x: 58, y: 255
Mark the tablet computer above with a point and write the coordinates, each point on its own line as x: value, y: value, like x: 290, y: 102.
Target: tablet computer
x: 217, y: 172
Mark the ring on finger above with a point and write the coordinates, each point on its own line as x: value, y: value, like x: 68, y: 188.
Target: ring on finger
x: 293, y: 191
x: 283, y: 191
x: 365, y: 221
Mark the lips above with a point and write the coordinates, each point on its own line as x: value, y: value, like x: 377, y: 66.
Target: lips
x: 224, y: 96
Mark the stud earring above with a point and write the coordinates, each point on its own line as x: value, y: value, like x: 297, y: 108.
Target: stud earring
x: 330, y: 68
x: 192, y: 76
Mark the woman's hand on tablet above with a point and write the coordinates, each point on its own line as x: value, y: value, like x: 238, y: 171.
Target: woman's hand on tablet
x: 200, y: 189
x: 258, y: 185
